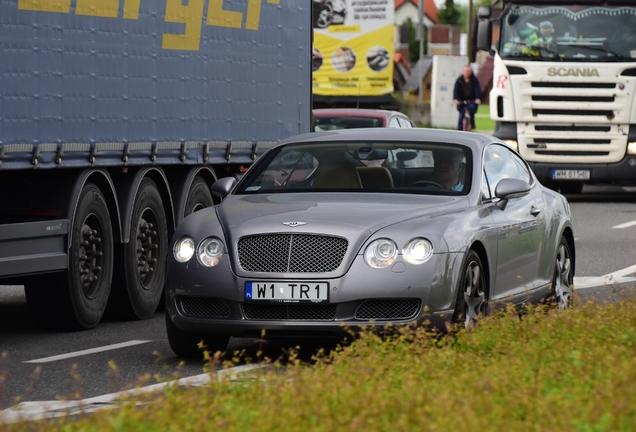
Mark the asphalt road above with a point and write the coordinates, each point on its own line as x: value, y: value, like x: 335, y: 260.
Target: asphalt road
x: 605, y: 231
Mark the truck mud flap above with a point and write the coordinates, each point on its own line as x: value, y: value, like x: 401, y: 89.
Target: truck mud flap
x: 33, y: 247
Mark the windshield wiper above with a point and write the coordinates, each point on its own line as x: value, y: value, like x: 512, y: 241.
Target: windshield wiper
x: 597, y: 48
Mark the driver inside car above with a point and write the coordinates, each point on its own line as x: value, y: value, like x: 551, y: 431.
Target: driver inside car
x: 447, y: 169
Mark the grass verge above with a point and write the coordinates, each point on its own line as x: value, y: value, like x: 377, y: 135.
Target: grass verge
x: 549, y: 371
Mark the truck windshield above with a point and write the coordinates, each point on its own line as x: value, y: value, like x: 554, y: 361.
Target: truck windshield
x: 572, y: 33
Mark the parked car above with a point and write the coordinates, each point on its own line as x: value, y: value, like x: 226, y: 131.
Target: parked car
x: 311, y: 238
x: 346, y: 118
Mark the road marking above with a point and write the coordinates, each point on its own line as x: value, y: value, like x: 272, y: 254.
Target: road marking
x: 617, y: 277
x: 38, y: 410
x: 625, y: 225
x: 88, y: 351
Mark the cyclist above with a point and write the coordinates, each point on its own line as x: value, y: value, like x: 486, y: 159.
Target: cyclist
x: 467, y: 89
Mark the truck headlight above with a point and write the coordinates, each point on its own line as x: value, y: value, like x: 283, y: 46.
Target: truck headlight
x: 183, y: 249
x: 513, y: 144
x: 380, y: 253
x: 631, y: 148
x: 210, y: 251
x: 417, y: 251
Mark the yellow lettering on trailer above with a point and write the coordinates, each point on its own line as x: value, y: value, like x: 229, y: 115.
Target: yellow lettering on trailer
x: 219, y: 17
x: 99, y: 8
x: 59, y: 6
x: 131, y: 9
x: 190, y: 15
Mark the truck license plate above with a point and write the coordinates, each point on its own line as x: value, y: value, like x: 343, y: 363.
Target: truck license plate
x: 570, y: 174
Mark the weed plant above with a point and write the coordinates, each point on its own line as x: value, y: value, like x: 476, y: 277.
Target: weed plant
x: 571, y: 370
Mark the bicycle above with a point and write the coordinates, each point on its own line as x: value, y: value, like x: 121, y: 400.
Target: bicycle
x: 466, y: 121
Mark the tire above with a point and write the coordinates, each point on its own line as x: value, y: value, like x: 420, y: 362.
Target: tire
x: 199, y: 197
x: 561, y: 294
x: 139, y: 287
x: 76, y: 299
x: 186, y: 344
x: 571, y: 188
x: 472, y: 291
x: 325, y: 16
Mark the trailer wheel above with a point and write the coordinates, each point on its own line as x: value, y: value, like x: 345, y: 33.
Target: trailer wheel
x: 199, y: 197
x: 137, y: 294
x: 77, y: 298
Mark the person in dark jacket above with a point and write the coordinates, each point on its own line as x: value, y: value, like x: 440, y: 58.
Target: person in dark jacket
x: 467, y: 89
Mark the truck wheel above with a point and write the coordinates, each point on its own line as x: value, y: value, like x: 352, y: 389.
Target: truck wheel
x: 199, y: 197
x: 186, y: 344
x: 139, y: 287
x: 77, y: 298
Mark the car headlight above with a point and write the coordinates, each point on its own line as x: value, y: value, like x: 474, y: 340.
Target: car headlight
x: 183, y: 249
x: 210, y: 251
x: 417, y: 251
x: 380, y: 253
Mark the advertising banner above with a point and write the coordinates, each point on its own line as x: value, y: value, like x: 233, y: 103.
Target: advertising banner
x: 353, y: 47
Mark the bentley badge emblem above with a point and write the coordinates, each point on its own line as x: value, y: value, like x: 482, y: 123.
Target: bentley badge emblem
x: 294, y: 224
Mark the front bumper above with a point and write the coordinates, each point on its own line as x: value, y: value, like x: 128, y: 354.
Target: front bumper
x: 432, y: 285
x: 621, y: 172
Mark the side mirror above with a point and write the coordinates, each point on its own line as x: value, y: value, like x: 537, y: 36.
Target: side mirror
x: 222, y: 187
x: 484, y: 12
x: 484, y: 35
x: 508, y: 189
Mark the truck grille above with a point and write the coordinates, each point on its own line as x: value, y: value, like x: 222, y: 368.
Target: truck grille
x: 289, y: 312
x: 291, y: 253
x: 382, y: 310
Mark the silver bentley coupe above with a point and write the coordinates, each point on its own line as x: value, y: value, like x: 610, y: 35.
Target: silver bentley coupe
x: 350, y: 228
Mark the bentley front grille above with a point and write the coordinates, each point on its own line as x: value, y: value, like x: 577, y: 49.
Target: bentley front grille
x: 204, y: 307
x: 291, y: 253
x: 289, y: 312
x: 382, y: 310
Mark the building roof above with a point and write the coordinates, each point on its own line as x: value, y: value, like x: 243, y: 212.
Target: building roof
x: 430, y: 9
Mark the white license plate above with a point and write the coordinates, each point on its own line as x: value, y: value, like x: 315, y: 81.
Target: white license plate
x: 570, y: 174
x: 287, y: 292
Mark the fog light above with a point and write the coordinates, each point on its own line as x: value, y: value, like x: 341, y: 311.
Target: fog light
x: 512, y: 144
x: 631, y: 148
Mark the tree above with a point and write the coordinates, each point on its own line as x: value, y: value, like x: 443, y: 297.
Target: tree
x: 449, y: 13
x: 414, y: 44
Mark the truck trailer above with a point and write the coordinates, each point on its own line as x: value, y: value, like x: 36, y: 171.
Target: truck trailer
x: 563, y: 91
x: 116, y: 116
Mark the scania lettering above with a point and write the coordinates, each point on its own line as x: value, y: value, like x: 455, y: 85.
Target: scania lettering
x: 563, y: 87
x: 116, y: 116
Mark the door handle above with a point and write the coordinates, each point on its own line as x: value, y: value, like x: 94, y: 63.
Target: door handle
x: 534, y: 211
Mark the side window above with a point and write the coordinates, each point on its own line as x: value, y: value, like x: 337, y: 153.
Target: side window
x: 500, y: 162
x: 405, y: 123
x: 394, y: 123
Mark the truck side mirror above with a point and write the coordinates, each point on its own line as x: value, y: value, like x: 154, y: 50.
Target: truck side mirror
x: 484, y: 12
x: 484, y: 35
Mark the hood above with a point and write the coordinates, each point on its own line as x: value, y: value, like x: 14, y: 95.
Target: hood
x: 329, y: 213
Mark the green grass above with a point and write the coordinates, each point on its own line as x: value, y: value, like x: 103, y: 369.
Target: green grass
x: 483, y: 122
x: 550, y: 371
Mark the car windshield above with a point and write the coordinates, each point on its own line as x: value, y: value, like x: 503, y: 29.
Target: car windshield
x: 430, y: 168
x: 345, y: 122
x: 572, y: 33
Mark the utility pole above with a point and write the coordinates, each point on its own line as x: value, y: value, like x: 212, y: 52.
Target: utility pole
x: 421, y: 31
x: 469, y: 28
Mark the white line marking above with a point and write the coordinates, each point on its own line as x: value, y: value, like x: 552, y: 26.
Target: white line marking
x: 88, y: 351
x: 609, y: 279
x: 30, y: 411
x: 625, y: 225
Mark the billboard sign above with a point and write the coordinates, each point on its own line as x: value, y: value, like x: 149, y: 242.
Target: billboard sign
x: 353, y: 47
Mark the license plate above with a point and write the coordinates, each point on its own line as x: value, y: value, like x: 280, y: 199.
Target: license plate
x: 570, y: 174
x: 287, y: 292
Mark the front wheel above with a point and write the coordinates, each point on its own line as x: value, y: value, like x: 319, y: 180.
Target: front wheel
x: 471, y: 301
x: 561, y: 295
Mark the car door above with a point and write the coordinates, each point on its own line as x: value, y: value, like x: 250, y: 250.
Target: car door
x: 519, y: 228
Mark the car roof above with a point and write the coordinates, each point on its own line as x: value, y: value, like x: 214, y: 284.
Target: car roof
x: 355, y: 112
x: 474, y: 141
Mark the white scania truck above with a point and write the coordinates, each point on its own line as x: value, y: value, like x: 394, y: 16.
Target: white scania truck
x: 563, y: 87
